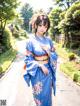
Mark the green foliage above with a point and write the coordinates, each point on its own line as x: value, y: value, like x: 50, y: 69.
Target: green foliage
x: 71, y: 20
x: 79, y: 79
x: 17, y: 27
x: 62, y: 26
x: 62, y: 15
x: 1, y: 70
x: 70, y: 25
x: 26, y: 13
x: 64, y: 3
x: 7, y: 12
x: 72, y: 56
x: 6, y: 44
x: 76, y: 15
x: 6, y: 58
x: 7, y: 7
x: 69, y: 68
x: 76, y: 77
x: 61, y: 51
x: 54, y: 19
x: 70, y: 12
x: 15, y: 31
x: 19, y: 32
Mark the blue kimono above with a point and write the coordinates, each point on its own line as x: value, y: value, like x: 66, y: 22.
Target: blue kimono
x: 41, y: 84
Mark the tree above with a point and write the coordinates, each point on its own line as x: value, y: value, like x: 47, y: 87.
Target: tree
x: 70, y: 25
x: 54, y: 19
x: 7, y: 12
x: 26, y: 13
x: 65, y: 3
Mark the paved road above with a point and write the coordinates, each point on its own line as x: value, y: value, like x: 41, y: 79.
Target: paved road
x: 68, y: 93
x: 14, y: 89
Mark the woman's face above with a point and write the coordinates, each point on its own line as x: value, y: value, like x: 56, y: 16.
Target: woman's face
x: 41, y: 29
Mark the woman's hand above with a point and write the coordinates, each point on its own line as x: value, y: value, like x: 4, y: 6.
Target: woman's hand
x: 44, y: 69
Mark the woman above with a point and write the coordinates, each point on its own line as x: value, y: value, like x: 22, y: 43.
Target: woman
x: 40, y: 63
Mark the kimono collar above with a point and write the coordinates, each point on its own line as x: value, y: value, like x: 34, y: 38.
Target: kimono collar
x: 40, y: 37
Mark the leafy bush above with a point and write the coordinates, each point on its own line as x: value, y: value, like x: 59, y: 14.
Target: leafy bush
x: 71, y: 56
x: 70, y: 24
x: 75, y: 45
x: 18, y: 32
x: 68, y: 69
x: 72, y: 71
x: 6, y: 44
x: 79, y: 79
x: 23, y: 33
x: 54, y: 19
x: 76, y: 15
x: 1, y: 70
x: 76, y: 76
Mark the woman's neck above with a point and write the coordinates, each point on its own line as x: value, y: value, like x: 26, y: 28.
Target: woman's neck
x: 39, y: 35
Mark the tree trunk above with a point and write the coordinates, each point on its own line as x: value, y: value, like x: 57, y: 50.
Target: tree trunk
x: 67, y: 41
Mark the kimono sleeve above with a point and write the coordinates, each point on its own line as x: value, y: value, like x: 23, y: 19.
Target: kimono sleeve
x: 31, y: 64
x: 53, y: 64
x: 53, y: 55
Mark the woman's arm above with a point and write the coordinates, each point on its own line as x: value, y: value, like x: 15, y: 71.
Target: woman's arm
x: 30, y: 61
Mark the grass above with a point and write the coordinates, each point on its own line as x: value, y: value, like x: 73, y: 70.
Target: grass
x: 61, y: 51
x: 72, y: 71
x: 71, y: 68
x: 6, y: 59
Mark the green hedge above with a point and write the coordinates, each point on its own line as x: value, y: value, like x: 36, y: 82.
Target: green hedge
x: 70, y: 69
x: 6, y: 39
x: 76, y: 77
